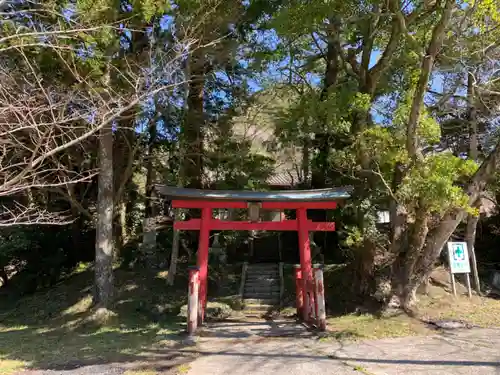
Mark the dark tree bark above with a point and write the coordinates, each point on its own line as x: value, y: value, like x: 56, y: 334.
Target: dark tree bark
x: 4, y: 276
x: 149, y: 223
x: 124, y: 157
x: 438, y: 34
x: 472, y: 220
x: 410, y: 275
x: 194, y: 122
x: 306, y: 159
x: 150, y: 170
x: 104, y: 227
x: 322, y: 137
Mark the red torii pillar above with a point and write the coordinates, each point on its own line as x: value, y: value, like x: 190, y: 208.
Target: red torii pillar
x: 202, y: 260
x: 306, y: 265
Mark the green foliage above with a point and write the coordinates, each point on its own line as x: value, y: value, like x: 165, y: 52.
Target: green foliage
x: 383, y: 145
x: 304, y: 17
x: 428, y: 131
x: 151, y: 8
x: 485, y: 12
x: 12, y: 243
x: 433, y: 184
x: 97, y: 10
x: 40, y: 256
x: 354, y: 237
x: 236, y: 166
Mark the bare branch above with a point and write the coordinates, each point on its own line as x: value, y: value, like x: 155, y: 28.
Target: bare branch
x: 48, y: 127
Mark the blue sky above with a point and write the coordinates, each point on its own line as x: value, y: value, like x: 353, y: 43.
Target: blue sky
x: 267, y: 38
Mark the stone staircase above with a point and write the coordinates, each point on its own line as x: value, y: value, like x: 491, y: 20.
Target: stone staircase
x: 262, y: 289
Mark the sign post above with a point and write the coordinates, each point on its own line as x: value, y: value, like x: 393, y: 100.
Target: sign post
x: 458, y: 257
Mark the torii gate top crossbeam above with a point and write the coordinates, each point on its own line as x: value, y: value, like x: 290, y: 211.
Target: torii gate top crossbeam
x: 275, y: 200
x: 318, y: 195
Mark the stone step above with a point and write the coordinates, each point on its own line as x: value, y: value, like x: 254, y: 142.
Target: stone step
x: 273, y: 301
x: 263, y: 265
x: 257, y: 313
x: 254, y: 271
x: 259, y: 310
x: 259, y: 307
x: 267, y: 282
x: 262, y: 296
x: 262, y: 301
x: 261, y: 292
x: 263, y: 277
x: 262, y: 287
x: 259, y: 271
x: 263, y: 272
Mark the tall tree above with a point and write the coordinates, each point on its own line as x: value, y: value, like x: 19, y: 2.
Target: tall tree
x: 76, y: 76
x: 385, y: 55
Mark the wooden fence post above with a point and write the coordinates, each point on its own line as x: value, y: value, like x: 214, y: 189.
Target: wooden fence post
x: 193, y: 301
x: 299, y: 291
x: 320, y: 298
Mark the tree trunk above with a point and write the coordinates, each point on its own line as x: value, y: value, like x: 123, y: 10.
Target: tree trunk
x: 322, y: 137
x: 121, y: 228
x: 472, y: 220
x: 3, y: 276
x: 149, y: 223
x: 194, y: 122
x: 176, y: 239
x: 412, y: 276
x: 306, y: 146
x: 364, y: 268
x: 124, y: 157
x: 470, y: 238
x: 104, y: 229
x: 438, y: 34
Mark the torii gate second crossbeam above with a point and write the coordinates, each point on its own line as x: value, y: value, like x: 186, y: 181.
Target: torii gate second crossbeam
x: 298, y: 200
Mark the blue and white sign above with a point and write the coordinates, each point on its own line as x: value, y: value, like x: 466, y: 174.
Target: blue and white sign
x: 458, y: 257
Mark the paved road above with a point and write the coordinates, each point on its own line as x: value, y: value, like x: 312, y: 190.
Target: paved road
x: 257, y: 349
x: 287, y: 348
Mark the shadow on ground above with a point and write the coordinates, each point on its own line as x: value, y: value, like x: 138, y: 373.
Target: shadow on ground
x: 244, y: 329
x: 52, y: 329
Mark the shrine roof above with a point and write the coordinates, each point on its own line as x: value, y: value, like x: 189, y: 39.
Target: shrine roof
x: 317, y: 195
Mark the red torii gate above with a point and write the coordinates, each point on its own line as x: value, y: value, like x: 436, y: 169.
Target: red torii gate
x: 298, y: 200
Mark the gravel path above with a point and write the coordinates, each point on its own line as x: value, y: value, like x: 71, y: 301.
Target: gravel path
x: 257, y: 349
x: 475, y: 351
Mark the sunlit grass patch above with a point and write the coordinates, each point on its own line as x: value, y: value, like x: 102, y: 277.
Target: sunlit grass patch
x: 55, y: 326
x: 367, y: 326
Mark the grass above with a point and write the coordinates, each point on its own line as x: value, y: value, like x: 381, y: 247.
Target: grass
x: 438, y: 304
x: 368, y: 326
x: 183, y: 369
x: 52, y: 329
x: 140, y: 372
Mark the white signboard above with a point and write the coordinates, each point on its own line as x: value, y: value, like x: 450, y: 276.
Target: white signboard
x: 458, y: 257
